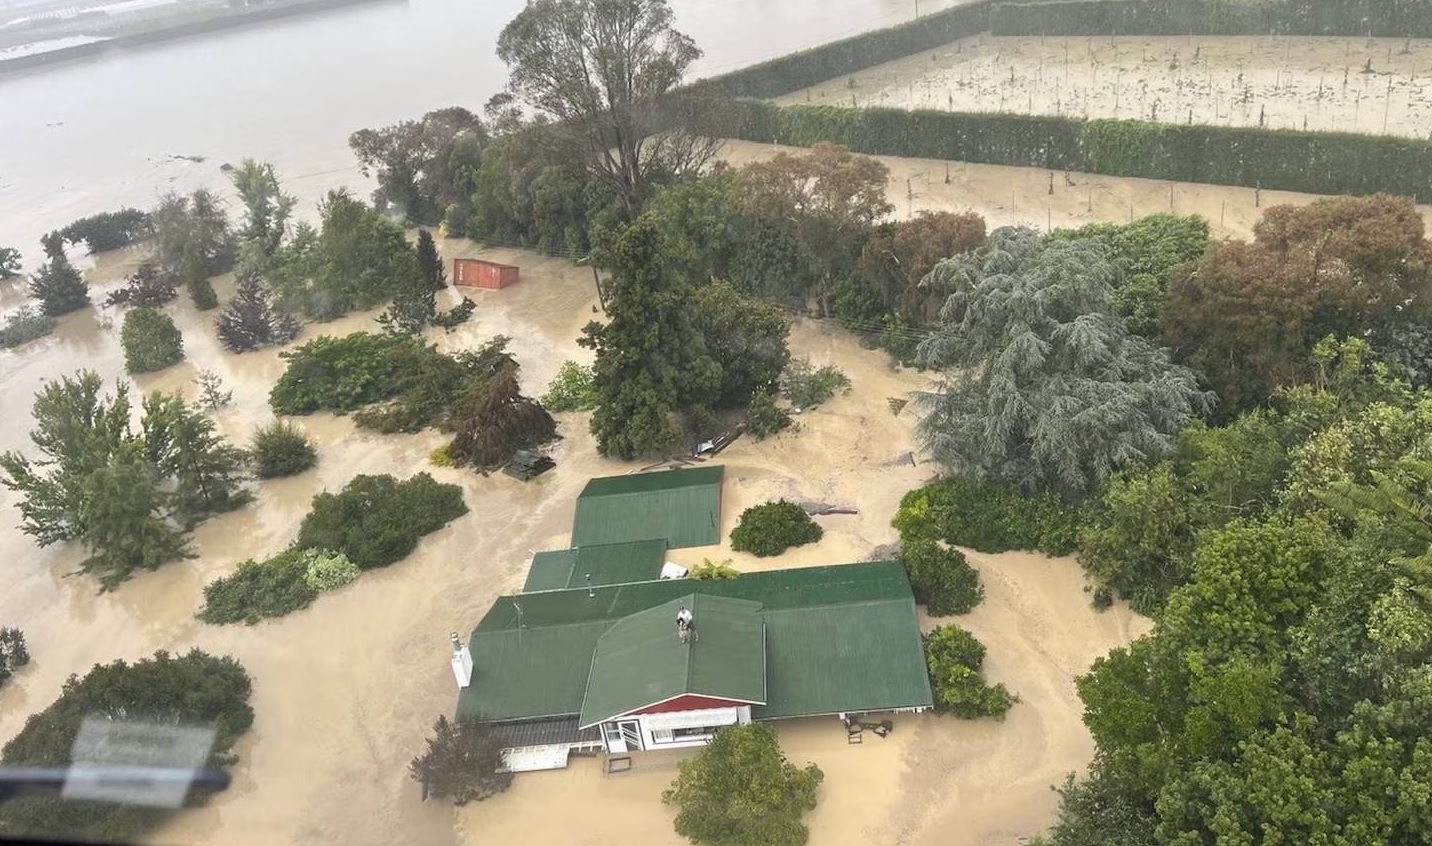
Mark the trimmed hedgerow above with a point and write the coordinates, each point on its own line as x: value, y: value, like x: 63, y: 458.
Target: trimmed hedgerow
x: 987, y: 516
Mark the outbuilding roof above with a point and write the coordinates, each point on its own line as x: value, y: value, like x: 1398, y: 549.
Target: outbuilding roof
x: 683, y: 506
x: 606, y: 563
x: 838, y: 639
x: 641, y: 661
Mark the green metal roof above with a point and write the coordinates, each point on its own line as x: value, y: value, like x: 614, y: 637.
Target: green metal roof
x: 682, y: 506
x: 641, y: 660
x: 838, y: 639
x: 608, y: 564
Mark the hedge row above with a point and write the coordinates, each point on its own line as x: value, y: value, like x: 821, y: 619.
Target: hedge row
x: 1382, y: 18
x: 1286, y: 160
x: 841, y: 58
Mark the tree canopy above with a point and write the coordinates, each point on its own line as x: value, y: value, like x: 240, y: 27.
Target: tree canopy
x: 604, y: 69
x: 463, y: 762
x: 126, y: 496
x: 151, y: 341
x: 422, y: 166
x: 1044, y: 387
x: 195, y: 689
x: 59, y: 287
x: 741, y: 790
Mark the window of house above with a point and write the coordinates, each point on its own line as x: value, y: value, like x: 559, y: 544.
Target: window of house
x: 682, y: 734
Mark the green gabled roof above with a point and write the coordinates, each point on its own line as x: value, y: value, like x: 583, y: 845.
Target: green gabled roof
x: 682, y: 506
x: 608, y: 564
x: 640, y: 660
x: 838, y: 638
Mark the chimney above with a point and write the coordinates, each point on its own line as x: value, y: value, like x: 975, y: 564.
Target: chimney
x: 461, y: 662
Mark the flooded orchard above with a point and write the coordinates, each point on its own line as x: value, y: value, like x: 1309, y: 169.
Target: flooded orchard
x: 1365, y: 85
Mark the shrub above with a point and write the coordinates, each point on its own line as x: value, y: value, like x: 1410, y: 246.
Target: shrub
x: 259, y: 589
x: 24, y: 325
x: 954, y: 658
x: 764, y: 418
x: 437, y: 390
x: 442, y: 457
x: 249, y: 321
x: 282, y: 449
x: 377, y: 520
x: 709, y: 570
x: 9, y: 263
x: 149, y: 287
x: 328, y: 570
x: 987, y: 516
x: 941, y: 578
x: 740, y: 790
x: 773, y: 527
x: 571, y: 390
x: 496, y: 422
x: 341, y: 374
x: 462, y: 762
x: 13, y: 654
x: 194, y: 689
x: 807, y: 387
x: 151, y: 341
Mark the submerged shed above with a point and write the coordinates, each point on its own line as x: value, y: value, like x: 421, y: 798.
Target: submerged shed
x: 683, y: 506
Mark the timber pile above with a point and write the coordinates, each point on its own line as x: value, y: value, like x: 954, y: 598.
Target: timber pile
x: 527, y: 465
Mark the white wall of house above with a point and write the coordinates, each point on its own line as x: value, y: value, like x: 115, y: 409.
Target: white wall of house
x: 670, y: 730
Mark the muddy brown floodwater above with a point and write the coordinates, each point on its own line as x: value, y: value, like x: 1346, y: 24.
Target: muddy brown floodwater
x: 1377, y: 85
x: 345, y: 691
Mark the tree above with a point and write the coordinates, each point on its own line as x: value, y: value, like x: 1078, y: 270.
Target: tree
x: 266, y: 210
x: 281, y: 449
x: 825, y: 202
x: 344, y: 373
x: 747, y: 339
x: 357, y: 259
x: 807, y: 386
x: 9, y: 263
x: 212, y: 395
x: 1045, y: 388
x: 604, y: 69
x: 100, y: 232
x: 182, y: 444
x: 13, y: 654
x: 415, y: 302
x: 194, y: 689
x: 59, y: 287
x: 422, y: 166
x: 122, y: 513
x: 151, y: 341
x: 250, y: 322
x: 77, y: 430
x: 651, y: 356
x: 463, y: 762
x: 773, y: 527
x: 147, y: 287
x: 1248, y: 314
x: 896, y: 260
x: 430, y: 264
x: 496, y: 421
x: 741, y: 790
x: 193, y: 237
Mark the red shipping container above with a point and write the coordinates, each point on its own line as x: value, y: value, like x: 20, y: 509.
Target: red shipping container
x: 476, y: 273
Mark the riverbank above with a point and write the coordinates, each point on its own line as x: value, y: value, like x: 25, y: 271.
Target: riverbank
x: 184, y: 29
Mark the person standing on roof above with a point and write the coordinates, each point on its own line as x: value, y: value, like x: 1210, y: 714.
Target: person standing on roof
x: 683, y: 623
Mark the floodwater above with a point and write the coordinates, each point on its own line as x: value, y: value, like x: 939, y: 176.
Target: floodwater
x: 1364, y: 85
x: 345, y: 690
x: 90, y: 136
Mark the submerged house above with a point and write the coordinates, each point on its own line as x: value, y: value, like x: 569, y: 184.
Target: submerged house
x: 589, y: 657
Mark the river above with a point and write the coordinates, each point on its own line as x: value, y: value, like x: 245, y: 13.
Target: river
x: 95, y: 135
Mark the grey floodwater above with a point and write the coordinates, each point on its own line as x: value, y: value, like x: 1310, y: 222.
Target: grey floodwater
x: 83, y: 137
